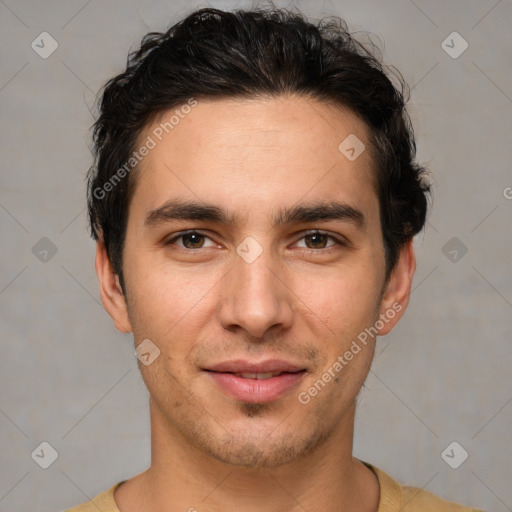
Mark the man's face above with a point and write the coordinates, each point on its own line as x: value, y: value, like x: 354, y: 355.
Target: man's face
x: 261, y: 289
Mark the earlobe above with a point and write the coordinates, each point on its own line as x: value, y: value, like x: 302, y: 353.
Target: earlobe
x: 398, y: 289
x: 111, y: 292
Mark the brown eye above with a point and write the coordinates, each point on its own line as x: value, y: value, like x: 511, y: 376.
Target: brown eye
x: 319, y: 240
x: 190, y: 240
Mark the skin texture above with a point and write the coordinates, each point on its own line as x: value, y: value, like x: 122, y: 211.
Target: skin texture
x: 303, y: 300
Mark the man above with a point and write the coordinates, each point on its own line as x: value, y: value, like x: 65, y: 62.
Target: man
x: 254, y: 199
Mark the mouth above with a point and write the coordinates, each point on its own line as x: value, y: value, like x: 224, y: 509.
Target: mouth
x: 256, y: 382
x: 261, y: 375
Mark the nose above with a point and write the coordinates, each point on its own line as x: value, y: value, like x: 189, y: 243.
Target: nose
x: 255, y: 296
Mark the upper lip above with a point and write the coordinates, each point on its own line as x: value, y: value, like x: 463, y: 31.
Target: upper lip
x: 242, y: 366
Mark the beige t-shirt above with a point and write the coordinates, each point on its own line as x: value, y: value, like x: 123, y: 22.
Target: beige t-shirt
x: 393, y: 498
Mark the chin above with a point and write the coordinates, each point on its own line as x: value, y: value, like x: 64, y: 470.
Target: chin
x: 255, y: 447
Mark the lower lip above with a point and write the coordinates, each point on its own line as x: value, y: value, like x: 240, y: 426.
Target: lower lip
x: 254, y: 390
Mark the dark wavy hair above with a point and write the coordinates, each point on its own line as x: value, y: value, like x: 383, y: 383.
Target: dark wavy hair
x: 246, y: 54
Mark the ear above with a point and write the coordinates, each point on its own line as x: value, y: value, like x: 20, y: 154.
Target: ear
x: 398, y: 289
x: 111, y: 292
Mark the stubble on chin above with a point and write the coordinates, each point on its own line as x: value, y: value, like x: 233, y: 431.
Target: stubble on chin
x: 263, y: 450
x: 253, y: 410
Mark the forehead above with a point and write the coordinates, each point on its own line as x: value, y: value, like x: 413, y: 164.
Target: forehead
x: 251, y: 154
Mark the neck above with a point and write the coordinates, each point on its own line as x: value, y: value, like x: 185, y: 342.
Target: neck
x: 182, y: 477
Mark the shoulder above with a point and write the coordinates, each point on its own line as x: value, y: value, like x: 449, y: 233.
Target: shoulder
x: 415, y: 499
x: 395, y: 497
x: 104, y: 502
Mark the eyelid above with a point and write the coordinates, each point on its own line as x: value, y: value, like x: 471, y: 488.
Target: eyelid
x: 319, y: 231
x: 338, y: 239
x: 176, y: 236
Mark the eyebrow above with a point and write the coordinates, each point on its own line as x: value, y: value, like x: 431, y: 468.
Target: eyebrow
x: 302, y: 213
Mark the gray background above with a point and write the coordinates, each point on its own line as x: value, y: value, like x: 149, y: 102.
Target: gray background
x: 70, y: 379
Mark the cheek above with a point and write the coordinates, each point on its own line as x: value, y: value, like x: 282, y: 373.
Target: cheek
x: 345, y: 299
x: 170, y: 306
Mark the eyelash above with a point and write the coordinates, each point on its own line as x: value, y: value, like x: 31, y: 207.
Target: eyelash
x: 309, y: 233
